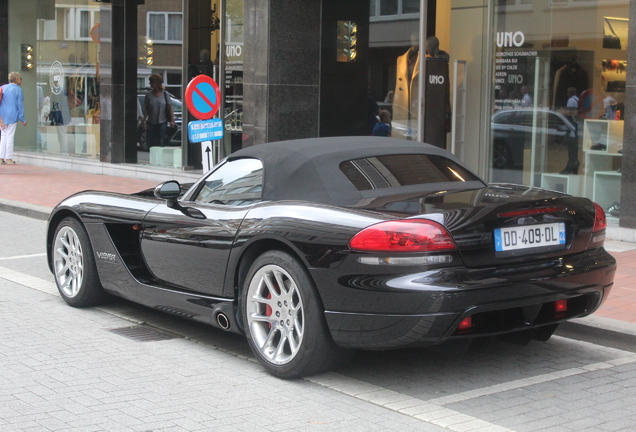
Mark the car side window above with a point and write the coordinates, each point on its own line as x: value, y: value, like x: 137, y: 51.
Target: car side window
x: 389, y: 171
x: 526, y: 118
x: 555, y: 121
x: 237, y: 182
x: 503, y: 118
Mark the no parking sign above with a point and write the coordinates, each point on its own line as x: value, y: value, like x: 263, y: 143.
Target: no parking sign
x: 203, y: 97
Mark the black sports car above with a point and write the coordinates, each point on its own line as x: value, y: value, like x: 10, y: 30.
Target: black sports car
x: 315, y: 247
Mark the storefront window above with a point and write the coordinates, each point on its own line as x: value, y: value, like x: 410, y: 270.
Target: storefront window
x: 375, y: 81
x: 559, y: 93
x: 233, y: 55
x: 160, y: 45
x: 67, y: 92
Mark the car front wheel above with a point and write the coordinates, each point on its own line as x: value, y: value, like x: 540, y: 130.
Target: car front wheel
x: 74, y: 265
x: 284, y: 320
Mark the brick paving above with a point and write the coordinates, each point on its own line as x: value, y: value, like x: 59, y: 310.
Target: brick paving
x: 61, y: 369
x: 621, y: 304
x: 47, y: 187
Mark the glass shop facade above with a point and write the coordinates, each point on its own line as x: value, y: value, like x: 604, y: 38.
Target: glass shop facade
x: 530, y: 92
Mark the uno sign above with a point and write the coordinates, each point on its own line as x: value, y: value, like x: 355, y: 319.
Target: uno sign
x: 510, y: 39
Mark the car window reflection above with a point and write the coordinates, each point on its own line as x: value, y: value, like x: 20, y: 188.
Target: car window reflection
x: 236, y: 183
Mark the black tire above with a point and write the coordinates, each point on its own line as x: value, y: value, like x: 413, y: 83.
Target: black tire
x: 74, y: 266
x: 271, y: 329
x: 501, y: 155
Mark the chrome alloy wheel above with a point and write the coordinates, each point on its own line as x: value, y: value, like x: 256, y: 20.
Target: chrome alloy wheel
x: 275, y: 314
x: 68, y: 261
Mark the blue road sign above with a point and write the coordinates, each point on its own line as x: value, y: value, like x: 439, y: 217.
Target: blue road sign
x: 202, y: 97
x: 205, y: 130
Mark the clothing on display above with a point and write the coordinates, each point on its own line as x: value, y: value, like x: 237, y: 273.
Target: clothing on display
x: 406, y: 85
x: 614, y: 75
x: 568, y: 75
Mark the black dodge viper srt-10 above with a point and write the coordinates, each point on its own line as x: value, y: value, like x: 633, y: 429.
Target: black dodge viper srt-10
x: 313, y: 248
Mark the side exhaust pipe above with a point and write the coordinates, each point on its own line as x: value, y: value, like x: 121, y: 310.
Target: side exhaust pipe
x: 223, y: 321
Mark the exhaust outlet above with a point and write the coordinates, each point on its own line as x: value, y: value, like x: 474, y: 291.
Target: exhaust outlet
x: 223, y: 321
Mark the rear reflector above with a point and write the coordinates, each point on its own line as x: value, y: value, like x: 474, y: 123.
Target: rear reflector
x: 406, y: 261
x: 600, y: 222
x: 408, y: 235
x: 561, y: 306
x: 466, y: 324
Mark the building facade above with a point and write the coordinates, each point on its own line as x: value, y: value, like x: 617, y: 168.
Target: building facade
x: 531, y: 92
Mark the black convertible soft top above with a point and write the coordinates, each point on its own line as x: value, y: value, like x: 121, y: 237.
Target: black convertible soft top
x: 308, y: 169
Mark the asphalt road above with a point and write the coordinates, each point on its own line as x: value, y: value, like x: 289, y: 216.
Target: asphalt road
x: 65, y: 369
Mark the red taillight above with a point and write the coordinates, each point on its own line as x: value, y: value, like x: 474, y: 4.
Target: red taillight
x: 600, y: 222
x: 561, y: 306
x: 408, y: 235
x: 466, y: 324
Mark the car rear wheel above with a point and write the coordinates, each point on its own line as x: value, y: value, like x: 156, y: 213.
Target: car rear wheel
x: 502, y: 156
x: 74, y: 265
x: 283, y: 319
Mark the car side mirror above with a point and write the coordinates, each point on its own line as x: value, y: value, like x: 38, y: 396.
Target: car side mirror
x: 562, y: 128
x: 169, y: 190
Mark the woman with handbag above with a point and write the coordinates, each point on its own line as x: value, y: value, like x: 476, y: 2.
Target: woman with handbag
x: 157, y: 112
x: 11, y: 111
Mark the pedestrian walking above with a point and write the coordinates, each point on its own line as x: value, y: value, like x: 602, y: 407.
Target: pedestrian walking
x: 11, y: 110
x: 157, y: 112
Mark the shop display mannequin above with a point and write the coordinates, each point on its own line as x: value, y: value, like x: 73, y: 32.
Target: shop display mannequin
x: 406, y: 84
x: 433, y: 51
x: 405, y: 101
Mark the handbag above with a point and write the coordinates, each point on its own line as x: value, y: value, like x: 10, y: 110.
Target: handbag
x: 55, y: 116
x: 169, y: 116
x: 611, y: 41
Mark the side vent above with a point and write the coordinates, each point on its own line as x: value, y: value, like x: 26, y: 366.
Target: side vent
x: 126, y: 238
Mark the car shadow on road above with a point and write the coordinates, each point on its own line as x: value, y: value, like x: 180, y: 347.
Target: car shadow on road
x: 425, y: 373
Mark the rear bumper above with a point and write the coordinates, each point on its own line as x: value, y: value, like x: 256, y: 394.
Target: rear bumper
x: 426, y: 308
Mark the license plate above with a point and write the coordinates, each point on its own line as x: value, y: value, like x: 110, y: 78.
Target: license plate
x: 527, y: 237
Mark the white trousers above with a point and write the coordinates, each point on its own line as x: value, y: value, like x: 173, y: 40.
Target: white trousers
x: 6, y: 144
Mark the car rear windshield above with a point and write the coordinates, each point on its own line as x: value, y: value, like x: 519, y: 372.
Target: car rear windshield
x: 403, y: 170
